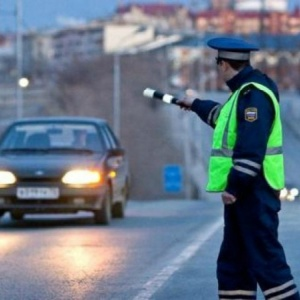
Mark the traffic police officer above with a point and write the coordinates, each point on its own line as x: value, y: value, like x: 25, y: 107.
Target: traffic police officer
x: 246, y: 166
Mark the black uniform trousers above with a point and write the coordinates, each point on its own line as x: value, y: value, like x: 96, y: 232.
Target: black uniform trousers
x: 250, y: 253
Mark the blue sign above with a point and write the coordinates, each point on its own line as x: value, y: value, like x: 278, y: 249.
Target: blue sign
x: 172, y: 178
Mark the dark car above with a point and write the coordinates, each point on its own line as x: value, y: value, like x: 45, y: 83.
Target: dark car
x: 62, y: 165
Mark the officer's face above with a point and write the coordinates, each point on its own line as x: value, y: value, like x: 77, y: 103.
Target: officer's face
x: 224, y: 69
x: 220, y: 65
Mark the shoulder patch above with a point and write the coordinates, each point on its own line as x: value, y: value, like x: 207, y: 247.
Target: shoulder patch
x: 251, y: 114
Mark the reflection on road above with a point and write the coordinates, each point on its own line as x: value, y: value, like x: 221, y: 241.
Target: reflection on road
x: 80, y: 259
x: 10, y: 243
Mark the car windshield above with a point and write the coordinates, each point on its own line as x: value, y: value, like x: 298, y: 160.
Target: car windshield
x: 63, y: 137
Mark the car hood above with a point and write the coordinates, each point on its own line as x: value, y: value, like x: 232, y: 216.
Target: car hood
x: 46, y: 165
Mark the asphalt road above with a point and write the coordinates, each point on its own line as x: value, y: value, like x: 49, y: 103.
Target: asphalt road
x: 45, y: 257
x: 162, y: 250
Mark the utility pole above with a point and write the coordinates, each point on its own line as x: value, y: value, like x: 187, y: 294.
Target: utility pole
x: 117, y: 74
x: 117, y: 92
x: 19, y: 54
x: 262, y: 18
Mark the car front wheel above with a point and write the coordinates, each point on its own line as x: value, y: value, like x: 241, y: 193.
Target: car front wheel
x: 103, y: 215
x: 118, y: 210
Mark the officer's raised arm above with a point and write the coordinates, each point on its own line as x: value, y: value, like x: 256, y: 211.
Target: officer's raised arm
x: 207, y: 110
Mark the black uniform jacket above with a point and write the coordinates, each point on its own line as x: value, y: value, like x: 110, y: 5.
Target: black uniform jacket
x: 255, y: 113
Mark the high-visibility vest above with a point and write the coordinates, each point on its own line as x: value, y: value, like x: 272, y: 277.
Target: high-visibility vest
x: 224, y: 140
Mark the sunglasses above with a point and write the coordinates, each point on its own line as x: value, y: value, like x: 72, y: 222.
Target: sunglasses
x: 218, y: 60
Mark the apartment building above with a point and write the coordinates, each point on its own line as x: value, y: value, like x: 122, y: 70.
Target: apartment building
x: 222, y: 16
x: 58, y: 48
x: 84, y: 42
x: 259, y: 5
x: 159, y: 15
x: 229, y: 21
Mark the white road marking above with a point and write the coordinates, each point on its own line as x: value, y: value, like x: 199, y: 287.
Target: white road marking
x: 151, y: 287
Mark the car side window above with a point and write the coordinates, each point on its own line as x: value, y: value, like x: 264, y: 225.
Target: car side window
x: 105, y: 138
x: 110, y: 138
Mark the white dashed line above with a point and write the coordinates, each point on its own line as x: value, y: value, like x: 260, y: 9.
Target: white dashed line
x: 150, y: 287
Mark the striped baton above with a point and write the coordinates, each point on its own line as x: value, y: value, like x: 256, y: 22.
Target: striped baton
x: 167, y: 98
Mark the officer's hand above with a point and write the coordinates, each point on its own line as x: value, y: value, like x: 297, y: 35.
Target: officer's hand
x: 228, y: 198
x: 186, y: 102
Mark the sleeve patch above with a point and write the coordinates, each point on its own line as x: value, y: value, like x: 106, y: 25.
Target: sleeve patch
x: 251, y: 114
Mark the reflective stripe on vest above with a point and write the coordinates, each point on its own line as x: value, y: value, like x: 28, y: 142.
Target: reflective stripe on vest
x: 224, y: 140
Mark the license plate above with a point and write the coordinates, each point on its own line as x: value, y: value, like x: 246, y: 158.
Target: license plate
x: 37, y: 192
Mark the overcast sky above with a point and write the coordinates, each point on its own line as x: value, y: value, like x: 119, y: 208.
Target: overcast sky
x: 53, y: 13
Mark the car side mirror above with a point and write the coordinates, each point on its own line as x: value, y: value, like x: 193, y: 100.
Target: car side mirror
x: 116, y: 152
x: 115, y: 158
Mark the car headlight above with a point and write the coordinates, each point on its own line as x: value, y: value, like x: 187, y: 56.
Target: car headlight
x: 81, y: 177
x: 7, y: 177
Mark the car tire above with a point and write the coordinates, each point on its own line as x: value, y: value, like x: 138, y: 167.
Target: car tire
x: 127, y: 191
x: 103, y: 216
x: 118, y: 210
x: 16, y: 215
